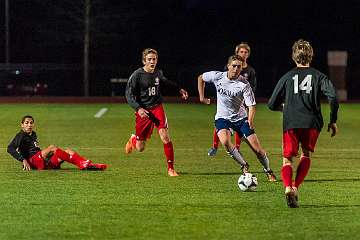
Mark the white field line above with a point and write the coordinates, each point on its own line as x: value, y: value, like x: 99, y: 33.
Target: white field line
x: 100, y: 113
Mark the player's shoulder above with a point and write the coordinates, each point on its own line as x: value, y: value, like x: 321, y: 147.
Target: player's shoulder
x: 137, y: 73
x: 214, y: 75
x: 249, y: 69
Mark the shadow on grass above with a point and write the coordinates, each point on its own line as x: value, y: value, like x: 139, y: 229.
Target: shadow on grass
x: 216, y: 173
x: 334, y: 180
x: 329, y: 206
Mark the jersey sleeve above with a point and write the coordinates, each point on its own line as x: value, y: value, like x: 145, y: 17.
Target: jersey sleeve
x: 210, y: 76
x: 328, y: 90
x: 168, y: 82
x: 131, y: 90
x: 13, y: 147
x: 278, y: 95
x: 249, y: 97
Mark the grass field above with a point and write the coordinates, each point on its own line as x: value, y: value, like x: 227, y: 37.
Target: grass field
x: 135, y: 199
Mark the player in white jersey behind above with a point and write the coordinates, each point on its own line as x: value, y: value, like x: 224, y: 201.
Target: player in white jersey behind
x: 233, y: 91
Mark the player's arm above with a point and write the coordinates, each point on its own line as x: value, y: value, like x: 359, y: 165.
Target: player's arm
x: 131, y: 92
x: 12, y: 149
x: 201, y: 90
x: 249, y: 99
x: 251, y: 116
x: 276, y: 100
x: 328, y: 90
x: 182, y: 91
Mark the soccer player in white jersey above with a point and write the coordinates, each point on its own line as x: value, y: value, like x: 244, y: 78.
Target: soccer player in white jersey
x: 233, y: 91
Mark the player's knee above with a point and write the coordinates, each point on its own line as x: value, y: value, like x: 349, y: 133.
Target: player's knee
x: 287, y: 161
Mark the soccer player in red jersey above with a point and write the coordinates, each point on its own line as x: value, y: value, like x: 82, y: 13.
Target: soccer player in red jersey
x: 143, y: 95
x: 248, y: 72
x: 298, y: 95
x: 25, y: 148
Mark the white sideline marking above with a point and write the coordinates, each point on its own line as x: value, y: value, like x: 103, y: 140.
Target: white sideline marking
x: 100, y: 113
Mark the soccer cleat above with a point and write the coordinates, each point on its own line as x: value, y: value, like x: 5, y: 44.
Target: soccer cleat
x: 212, y: 152
x: 291, y: 198
x: 129, y: 145
x: 270, y: 175
x: 96, y: 166
x: 172, y: 173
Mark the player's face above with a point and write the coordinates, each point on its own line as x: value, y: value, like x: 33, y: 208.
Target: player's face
x: 150, y: 62
x: 28, y: 125
x: 243, y: 52
x: 234, y: 69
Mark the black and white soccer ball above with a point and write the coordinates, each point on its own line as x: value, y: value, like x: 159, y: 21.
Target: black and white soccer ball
x: 247, y: 182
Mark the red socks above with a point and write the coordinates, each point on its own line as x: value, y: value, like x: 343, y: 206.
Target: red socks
x: 75, y: 159
x: 215, y: 139
x: 302, y: 170
x: 169, y: 153
x: 286, y: 175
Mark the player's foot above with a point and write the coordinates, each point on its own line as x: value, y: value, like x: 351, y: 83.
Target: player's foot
x: 96, y: 166
x: 270, y: 175
x: 172, y: 173
x: 291, y: 199
x: 212, y: 152
x: 245, y: 168
x: 129, y: 145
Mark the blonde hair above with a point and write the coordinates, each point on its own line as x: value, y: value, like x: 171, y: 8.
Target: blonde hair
x: 302, y: 52
x: 148, y: 51
x: 242, y: 45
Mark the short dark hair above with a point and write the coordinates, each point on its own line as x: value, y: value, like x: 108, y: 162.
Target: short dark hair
x: 235, y: 58
x: 27, y: 116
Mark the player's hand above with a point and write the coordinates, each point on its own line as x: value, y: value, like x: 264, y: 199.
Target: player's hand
x: 26, y: 165
x: 143, y: 112
x: 333, y: 128
x: 184, y: 94
x: 206, y: 101
x: 251, y: 124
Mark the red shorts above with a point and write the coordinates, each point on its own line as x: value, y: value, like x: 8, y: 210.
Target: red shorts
x: 292, y: 137
x: 144, y: 126
x: 36, y: 161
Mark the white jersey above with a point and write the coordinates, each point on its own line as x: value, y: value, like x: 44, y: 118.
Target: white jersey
x: 231, y: 95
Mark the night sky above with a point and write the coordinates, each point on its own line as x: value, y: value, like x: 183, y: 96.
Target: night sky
x: 191, y: 36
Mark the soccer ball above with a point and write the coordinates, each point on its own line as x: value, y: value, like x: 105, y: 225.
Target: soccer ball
x: 247, y: 182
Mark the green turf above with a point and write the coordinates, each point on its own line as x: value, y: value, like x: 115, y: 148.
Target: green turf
x: 135, y: 199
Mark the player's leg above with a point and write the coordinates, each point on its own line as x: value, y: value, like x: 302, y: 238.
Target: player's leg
x: 143, y: 130
x: 59, y: 155
x: 308, y: 138
x: 237, y: 140
x: 224, y: 135
x: 37, y: 161
x: 163, y: 130
x: 84, y: 162
x: 290, y: 149
x: 243, y: 129
x: 212, y: 151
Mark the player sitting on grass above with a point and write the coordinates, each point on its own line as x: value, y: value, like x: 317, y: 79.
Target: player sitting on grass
x: 25, y: 148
